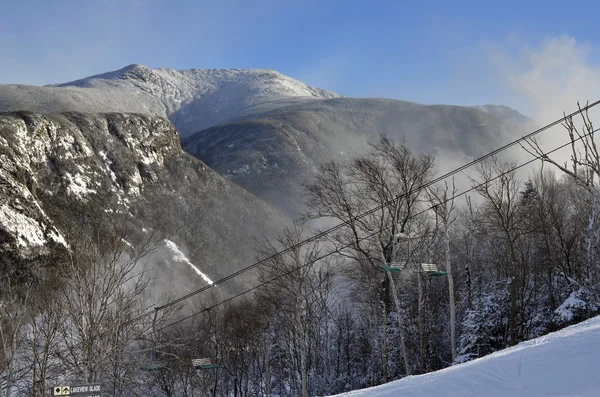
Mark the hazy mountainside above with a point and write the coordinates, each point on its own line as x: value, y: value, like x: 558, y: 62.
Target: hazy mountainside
x: 56, y: 170
x: 272, y: 154
x: 48, y: 100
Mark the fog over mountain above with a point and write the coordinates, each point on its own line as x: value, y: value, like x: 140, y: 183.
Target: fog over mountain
x: 273, y: 153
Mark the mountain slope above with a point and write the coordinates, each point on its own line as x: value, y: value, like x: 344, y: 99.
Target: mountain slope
x: 560, y: 364
x: 58, y: 170
x: 49, y: 100
x: 505, y: 114
x: 273, y: 153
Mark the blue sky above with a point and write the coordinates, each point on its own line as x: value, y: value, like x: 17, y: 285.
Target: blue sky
x: 426, y: 51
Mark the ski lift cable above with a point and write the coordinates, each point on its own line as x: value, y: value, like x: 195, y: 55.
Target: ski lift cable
x: 373, y: 210
x: 536, y: 158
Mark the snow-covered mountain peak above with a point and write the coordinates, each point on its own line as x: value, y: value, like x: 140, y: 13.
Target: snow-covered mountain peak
x: 196, y: 99
x: 130, y: 72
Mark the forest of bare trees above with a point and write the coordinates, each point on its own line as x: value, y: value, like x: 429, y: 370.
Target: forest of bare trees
x: 515, y: 259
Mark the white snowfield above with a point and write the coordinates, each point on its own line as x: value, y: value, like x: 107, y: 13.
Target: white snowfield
x: 563, y: 363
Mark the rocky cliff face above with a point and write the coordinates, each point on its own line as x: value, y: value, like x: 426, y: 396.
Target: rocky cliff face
x: 56, y: 170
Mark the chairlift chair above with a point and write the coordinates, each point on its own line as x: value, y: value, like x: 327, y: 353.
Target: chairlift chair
x: 152, y: 367
x: 392, y: 267
x: 431, y: 269
x: 204, y: 363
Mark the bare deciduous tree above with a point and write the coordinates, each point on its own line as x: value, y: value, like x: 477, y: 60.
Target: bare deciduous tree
x: 390, y: 179
x: 584, y: 168
x: 46, y: 317
x: 290, y: 292
x: 13, y: 314
x: 101, y: 296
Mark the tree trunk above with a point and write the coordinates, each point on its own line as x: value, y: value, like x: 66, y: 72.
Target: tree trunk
x: 384, y: 347
x: 267, y: 368
x: 469, y: 285
x: 303, y: 370
x: 421, y: 325
x: 451, y: 295
x: 394, y: 292
x: 513, y: 312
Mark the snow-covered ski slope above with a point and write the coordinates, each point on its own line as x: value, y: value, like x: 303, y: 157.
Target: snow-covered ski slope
x: 562, y: 363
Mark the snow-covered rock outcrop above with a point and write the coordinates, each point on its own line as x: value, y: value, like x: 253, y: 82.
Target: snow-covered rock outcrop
x: 50, y: 156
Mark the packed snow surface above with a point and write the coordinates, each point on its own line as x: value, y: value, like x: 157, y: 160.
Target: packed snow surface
x: 562, y: 363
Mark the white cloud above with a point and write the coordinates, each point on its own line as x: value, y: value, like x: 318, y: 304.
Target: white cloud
x: 547, y: 79
x: 554, y: 76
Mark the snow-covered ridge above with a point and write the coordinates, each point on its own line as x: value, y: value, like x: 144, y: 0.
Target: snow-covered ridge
x: 176, y: 87
x: 560, y: 364
x: 200, y: 98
